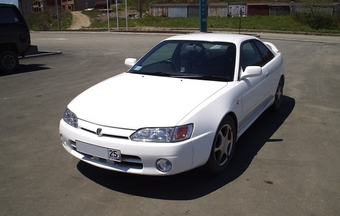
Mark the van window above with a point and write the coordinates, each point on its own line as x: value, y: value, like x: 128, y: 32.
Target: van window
x: 8, y: 16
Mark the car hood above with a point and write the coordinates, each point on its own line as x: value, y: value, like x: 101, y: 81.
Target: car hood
x: 134, y: 101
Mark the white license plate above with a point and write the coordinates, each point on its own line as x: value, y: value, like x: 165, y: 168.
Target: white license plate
x: 114, y: 154
x: 98, y: 151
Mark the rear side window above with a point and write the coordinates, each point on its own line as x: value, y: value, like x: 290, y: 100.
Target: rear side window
x: 250, y: 55
x: 8, y: 16
x: 255, y: 53
x: 265, y: 53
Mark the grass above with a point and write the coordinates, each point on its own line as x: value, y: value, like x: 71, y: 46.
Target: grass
x: 252, y: 23
x: 48, y: 21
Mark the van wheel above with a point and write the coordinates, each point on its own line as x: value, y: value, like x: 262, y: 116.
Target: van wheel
x: 9, y: 61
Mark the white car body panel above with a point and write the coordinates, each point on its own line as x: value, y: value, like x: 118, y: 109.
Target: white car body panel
x: 127, y: 95
x: 181, y: 154
x: 127, y: 102
x: 258, y: 92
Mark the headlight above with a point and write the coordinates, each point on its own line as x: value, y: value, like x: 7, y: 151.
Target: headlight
x: 70, y: 118
x: 163, y: 134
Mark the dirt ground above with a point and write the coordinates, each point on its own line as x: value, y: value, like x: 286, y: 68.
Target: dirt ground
x: 79, y: 20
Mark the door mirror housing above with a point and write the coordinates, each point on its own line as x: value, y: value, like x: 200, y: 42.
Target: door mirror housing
x: 130, y: 62
x: 251, y: 71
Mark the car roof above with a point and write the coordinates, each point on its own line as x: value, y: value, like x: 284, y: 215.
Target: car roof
x: 213, y: 37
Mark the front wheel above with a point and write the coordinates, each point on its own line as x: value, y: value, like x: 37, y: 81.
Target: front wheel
x: 223, y: 146
x: 8, y: 61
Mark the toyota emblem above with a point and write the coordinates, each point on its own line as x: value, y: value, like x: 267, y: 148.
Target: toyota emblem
x: 99, y: 131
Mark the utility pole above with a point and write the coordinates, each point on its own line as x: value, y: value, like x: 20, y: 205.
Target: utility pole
x: 203, y: 15
x: 140, y: 8
x: 117, y: 15
x: 108, y: 15
x: 58, y: 19
x: 239, y: 24
x: 126, y: 16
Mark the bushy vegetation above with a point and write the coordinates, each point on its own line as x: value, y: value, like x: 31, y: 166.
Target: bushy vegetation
x: 315, y: 16
x: 48, y: 20
x: 317, y: 20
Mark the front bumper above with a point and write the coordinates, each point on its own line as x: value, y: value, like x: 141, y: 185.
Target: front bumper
x: 136, y: 157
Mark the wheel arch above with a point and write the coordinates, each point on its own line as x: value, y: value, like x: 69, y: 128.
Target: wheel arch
x: 283, y: 79
x: 9, y: 47
x: 215, y: 164
x: 234, y: 117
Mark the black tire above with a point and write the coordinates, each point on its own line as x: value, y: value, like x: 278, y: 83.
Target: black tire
x: 223, y: 147
x: 278, y: 96
x: 9, y: 61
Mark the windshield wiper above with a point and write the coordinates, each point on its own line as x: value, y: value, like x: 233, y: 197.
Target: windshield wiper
x: 201, y: 77
x: 205, y: 77
x: 155, y: 73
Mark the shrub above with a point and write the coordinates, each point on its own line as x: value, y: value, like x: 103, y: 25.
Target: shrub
x: 318, y: 20
x: 47, y: 20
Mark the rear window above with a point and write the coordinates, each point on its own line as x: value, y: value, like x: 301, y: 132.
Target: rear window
x: 8, y: 16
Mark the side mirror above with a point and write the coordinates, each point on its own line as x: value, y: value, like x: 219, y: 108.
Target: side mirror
x: 130, y: 62
x: 251, y: 71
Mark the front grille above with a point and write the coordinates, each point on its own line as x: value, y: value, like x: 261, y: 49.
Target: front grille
x: 128, y: 161
x: 106, y: 135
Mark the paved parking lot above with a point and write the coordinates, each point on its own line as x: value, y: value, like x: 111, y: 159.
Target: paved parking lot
x: 287, y: 163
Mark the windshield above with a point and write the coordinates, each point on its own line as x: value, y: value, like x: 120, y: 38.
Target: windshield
x: 189, y: 59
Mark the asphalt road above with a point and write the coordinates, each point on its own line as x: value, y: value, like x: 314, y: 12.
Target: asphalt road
x: 287, y: 163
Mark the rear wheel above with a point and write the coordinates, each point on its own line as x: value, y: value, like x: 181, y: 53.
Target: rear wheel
x: 9, y: 61
x: 223, y: 146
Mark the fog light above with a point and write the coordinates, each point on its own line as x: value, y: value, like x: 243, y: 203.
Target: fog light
x: 163, y: 165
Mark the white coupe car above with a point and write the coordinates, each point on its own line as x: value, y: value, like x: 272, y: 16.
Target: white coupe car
x: 182, y: 105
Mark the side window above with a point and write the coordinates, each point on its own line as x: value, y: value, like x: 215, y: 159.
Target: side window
x: 250, y: 55
x: 8, y: 16
x: 265, y: 53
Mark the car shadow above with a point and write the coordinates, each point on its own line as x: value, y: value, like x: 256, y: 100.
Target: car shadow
x: 196, y: 183
x: 22, y: 68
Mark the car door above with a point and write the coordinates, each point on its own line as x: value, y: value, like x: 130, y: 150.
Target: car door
x: 270, y: 69
x: 253, y: 89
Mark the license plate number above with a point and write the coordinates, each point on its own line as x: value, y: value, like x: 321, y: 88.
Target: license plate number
x: 114, y: 155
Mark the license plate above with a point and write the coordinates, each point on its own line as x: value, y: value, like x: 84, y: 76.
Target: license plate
x: 98, y: 151
x: 114, y: 155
